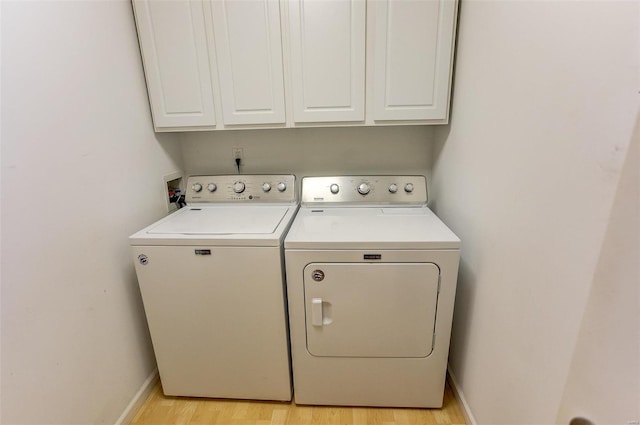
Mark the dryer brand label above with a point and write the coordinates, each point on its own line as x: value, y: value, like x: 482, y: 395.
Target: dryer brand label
x: 203, y: 252
x: 373, y: 256
x: 143, y: 259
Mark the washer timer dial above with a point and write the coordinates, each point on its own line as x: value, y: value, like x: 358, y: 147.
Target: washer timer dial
x: 238, y: 187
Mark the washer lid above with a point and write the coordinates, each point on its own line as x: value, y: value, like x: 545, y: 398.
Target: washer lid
x: 222, y: 220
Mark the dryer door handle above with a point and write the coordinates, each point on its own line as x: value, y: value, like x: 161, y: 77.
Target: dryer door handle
x: 316, y: 312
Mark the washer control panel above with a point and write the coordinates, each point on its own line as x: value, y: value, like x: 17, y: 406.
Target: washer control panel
x: 241, y: 188
x: 365, y: 190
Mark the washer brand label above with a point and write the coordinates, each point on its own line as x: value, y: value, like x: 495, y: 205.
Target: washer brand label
x: 203, y: 252
x: 317, y: 275
x: 373, y: 256
x: 143, y: 259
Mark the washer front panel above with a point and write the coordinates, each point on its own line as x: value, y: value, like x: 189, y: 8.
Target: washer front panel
x: 217, y: 319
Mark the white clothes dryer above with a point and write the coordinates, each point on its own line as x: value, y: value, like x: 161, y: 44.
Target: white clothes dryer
x: 212, y: 282
x: 371, y: 280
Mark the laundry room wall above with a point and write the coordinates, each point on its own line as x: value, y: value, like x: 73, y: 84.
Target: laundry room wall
x: 81, y: 170
x: 545, y: 101
x: 604, y: 378
x: 312, y: 151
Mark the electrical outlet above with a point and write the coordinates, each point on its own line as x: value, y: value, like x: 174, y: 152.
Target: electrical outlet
x: 237, y: 153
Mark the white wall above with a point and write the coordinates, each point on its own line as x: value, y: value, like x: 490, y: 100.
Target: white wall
x: 81, y: 170
x: 544, y: 106
x: 312, y: 151
x: 604, y: 378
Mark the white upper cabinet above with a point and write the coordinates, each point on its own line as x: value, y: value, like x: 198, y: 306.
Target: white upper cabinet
x: 327, y: 59
x: 248, y: 49
x: 176, y: 61
x: 412, y: 58
x: 228, y: 64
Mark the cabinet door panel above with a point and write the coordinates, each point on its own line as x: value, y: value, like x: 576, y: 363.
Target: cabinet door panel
x: 174, y: 51
x: 327, y: 59
x: 249, y: 57
x: 412, y: 55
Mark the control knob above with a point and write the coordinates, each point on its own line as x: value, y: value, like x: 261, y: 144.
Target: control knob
x: 282, y: 187
x: 408, y: 187
x: 364, y: 188
x: 334, y: 188
x: 211, y: 187
x: 238, y: 187
x: 197, y: 187
x: 393, y: 188
x: 266, y: 187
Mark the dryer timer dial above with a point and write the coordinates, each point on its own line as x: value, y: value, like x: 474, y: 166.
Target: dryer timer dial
x: 364, y: 188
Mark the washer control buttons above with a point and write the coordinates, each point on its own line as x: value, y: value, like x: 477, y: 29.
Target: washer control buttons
x: 408, y: 187
x: 334, y: 188
x: 238, y: 187
x: 211, y: 187
x: 266, y: 187
x: 363, y: 188
x: 282, y: 186
x: 393, y: 188
x: 197, y: 187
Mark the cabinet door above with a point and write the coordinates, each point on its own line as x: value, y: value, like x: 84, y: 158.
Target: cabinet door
x: 174, y: 51
x: 249, y: 56
x: 327, y: 59
x: 413, y: 51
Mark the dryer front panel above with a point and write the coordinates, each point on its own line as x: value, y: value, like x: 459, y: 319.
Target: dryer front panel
x: 370, y: 309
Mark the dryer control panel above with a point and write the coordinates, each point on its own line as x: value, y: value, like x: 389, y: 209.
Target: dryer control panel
x: 365, y: 190
x: 241, y: 188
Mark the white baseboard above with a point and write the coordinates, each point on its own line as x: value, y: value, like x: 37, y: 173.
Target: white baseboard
x: 457, y: 391
x: 138, y: 400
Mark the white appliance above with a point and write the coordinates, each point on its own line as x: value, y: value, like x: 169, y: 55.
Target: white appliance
x: 212, y: 282
x: 371, y: 280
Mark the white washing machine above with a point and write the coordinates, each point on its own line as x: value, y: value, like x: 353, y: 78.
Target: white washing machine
x: 212, y: 282
x: 371, y: 280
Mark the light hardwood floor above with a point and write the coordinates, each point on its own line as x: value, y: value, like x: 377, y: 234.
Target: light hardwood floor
x: 161, y: 410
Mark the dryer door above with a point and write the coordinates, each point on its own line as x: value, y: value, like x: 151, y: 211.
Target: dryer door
x: 370, y: 309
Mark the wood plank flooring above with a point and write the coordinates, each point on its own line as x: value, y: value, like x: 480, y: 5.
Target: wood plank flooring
x: 161, y: 410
